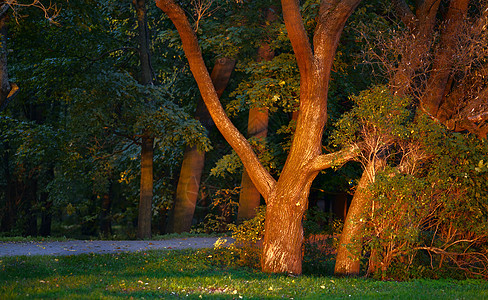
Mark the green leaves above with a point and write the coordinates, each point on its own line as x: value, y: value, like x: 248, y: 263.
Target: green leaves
x: 377, y: 115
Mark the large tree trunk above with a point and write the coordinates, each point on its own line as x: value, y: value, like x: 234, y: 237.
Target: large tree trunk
x: 286, y: 198
x: 194, y: 160
x: 146, y: 193
x: 351, y: 240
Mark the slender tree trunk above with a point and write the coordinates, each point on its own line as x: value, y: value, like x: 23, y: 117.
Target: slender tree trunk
x: 105, y: 217
x: 144, y: 46
x: 30, y: 203
x: 193, y: 159
x: 145, y: 202
x: 147, y: 141
x: 351, y: 240
x: 46, y: 215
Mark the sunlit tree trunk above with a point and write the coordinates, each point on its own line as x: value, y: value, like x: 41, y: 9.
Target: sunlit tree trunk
x: 351, y: 240
x: 286, y: 198
x: 194, y: 160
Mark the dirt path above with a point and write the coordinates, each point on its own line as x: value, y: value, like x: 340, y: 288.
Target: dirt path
x: 81, y: 247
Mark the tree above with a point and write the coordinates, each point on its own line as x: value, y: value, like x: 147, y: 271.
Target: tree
x: 287, y: 197
x: 437, y: 56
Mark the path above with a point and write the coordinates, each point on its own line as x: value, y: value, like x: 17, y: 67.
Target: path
x: 81, y: 247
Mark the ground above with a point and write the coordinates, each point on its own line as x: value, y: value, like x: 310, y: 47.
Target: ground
x: 90, y: 246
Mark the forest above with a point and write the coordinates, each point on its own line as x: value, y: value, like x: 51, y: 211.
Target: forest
x: 364, y: 122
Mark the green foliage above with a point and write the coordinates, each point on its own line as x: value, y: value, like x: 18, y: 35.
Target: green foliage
x: 272, y: 84
x: 248, y: 238
x: 377, y: 114
x: 222, y: 211
x: 314, y: 221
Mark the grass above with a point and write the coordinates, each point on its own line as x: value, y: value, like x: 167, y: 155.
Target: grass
x: 192, y: 275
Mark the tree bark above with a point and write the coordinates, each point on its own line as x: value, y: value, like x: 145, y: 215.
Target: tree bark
x: 442, y: 68
x: 146, y: 193
x: 286, y: 198
x: 351, y: 240
x: 194, y: 160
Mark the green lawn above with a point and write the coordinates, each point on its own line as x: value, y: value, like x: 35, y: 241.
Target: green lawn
x: 190, y: 274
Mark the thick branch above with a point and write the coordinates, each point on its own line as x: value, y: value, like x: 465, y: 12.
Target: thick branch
x: 333, y: 15
x: 338, y: 158
x: 298, y: 38
x: 263, y: 181
x: 441, y: 69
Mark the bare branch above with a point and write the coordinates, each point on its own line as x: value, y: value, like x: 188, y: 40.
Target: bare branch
x: 50, y: 12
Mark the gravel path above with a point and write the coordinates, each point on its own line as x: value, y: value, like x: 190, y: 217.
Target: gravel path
x: 81, y: 247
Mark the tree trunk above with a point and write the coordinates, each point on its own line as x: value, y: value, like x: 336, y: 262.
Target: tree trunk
x: 144, y: 47
x: 46, y: 215
x: 147, y: 141
x: 351, y: 240
x: 105, y: 217
x: 146, y: 193
x: 283, y: 236
x: 30, y: 203
x: 193, y: 159
x: 437, y: 84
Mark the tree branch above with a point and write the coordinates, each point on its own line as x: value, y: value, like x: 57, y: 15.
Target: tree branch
x: 298, y: 37
x: 333, y: 15
x: 261, y: 178
x: 338, y: 158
